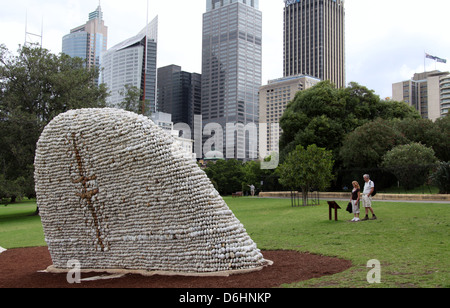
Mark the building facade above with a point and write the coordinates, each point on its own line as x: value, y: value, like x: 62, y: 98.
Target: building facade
x: 314, y: 39
x: 88, y: 41
x: 133, y: 62
x: 444, y: 88
x: 428, y: 93
x: 179, y: 93
x: 273, y: 100
x: 231, y: 73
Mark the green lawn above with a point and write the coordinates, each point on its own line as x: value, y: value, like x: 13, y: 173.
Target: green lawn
x: 19, y: 229
x: 411, y: 240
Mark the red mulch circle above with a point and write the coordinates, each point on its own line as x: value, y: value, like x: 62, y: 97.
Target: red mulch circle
x: 19, y: 268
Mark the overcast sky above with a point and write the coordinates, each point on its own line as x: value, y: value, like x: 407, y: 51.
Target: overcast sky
x: 385, y: 39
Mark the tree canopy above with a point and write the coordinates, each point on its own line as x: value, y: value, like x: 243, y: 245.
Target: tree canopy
x: 411, y: 163
x: 35, y: 86
x: 306, y: 169
x: 323, y: 115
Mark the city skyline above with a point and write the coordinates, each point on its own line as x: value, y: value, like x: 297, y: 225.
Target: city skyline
x: 382, y: 47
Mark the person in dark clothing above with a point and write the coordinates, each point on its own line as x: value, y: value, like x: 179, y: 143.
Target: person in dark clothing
x: 356, y: 196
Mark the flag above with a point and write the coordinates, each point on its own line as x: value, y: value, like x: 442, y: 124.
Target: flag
x: 428, y: 56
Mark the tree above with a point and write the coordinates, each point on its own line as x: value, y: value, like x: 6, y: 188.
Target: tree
x: 435, y: 135
x: 411, y: 164
x: 323, y: 115
x: 366, y: 145
x: 307, y: 168
x: 227, y: 174
x: 35, y: 86
x: 311, y: 118
x: 442, y: 145
x: 441, y: 177
x: 132, y: 99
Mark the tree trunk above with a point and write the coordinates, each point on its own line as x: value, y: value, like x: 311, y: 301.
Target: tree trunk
x: 36, y: 213
x: 305, y: 196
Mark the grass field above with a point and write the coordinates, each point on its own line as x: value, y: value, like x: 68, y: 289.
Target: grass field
x: 18, y: 229
x: 411, y: 240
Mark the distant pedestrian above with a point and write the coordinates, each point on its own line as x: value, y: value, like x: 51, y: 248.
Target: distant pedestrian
x: 369, y: 188
x: 252, y: 189
x: 356, y: 196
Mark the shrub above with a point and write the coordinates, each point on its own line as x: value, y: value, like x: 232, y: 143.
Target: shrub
x: 410, y: 163
x: 441, y: 178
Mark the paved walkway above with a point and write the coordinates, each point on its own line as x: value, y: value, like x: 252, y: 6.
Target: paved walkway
x: 380, y: 197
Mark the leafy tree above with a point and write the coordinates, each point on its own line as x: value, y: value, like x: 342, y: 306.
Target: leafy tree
x: 132, y: 99
x: 311, y: 119
x: 35, y: 86
x: 441, y: 177
x: 227, y: 174
x: 307, y: 168
x: 323, y: 115
x: 435, y: 135
x: 442, y: 144
x: 252, y: 175
x: 366, y: 145
x: 411, y: 164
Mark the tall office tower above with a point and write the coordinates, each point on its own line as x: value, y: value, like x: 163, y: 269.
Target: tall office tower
x: 88, y: 41
x: 231, y: 74
x: 179, y: 93
x: 314, y: 39
x: 133, y: 63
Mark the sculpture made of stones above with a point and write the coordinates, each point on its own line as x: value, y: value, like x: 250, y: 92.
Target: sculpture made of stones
x: 116, y: 192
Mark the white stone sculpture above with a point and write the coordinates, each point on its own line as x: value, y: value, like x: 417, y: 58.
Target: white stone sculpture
x: 116, y: 193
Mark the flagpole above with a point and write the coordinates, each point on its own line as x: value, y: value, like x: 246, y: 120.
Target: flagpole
x: 424, y: 61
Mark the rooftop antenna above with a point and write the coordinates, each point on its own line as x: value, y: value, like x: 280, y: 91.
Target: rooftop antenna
x: 28, y: 35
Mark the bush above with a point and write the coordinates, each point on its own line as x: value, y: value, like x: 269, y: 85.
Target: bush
x: 441, y: 178
x: 306, y: 169
x: 410, y: 163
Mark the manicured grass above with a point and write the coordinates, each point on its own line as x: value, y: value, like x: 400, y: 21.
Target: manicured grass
x: 411, y: 240
x: 17, y: 228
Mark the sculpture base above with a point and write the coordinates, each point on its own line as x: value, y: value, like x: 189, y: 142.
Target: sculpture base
x: 53, y: 270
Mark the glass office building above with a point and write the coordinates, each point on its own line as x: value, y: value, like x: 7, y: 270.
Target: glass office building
x: 88, y: 41
x: 314, y: 39
x: 231, y: 72
x: 133, y: 62
x: 179, y: 94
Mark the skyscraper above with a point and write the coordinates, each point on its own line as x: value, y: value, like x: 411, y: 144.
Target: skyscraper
x: 179, y: 93
x: 133, y: 62
x: 314, y: 39
x: 88, y: 41
x: 231, y: 73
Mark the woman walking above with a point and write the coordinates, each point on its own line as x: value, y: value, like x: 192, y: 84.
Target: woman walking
x: 356, y: 196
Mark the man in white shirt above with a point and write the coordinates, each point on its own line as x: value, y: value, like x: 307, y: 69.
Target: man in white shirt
x: 369, y: 187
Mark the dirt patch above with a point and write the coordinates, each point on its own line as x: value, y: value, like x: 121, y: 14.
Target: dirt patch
x: 19, y: 268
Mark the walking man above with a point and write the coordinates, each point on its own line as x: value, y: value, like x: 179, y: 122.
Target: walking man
x: 369, y: 187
